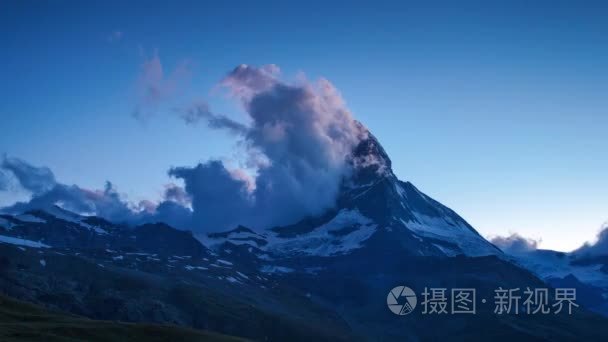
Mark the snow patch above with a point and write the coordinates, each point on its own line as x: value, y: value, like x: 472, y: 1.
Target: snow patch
x: 74, y: 218
x: 22, y: 242
x: 400, y: 191
x: 445, y: 250
x: 276, y: 269
x: 344, y: 233
x: 235, y: 236
x: 232, y: 280
x: 454, y: 232
x: 29, y: 218
x: 549, y: 264
x: 190, y: 268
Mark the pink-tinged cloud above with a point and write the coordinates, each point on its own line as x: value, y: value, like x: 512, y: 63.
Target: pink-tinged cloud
x: 107, y: 202
x: 297, y: 143
x: 115, y: 36
x: 177, y: 194
x: 515, y: 243
x: 246, y: 81
x: 156, y: 87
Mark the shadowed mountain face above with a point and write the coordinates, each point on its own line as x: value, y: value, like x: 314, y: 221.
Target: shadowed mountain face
x: 151, y: 273
x: 323, y: 278
x: 377, y: 193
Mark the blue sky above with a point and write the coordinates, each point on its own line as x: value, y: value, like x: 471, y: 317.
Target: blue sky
x: 499, y: 111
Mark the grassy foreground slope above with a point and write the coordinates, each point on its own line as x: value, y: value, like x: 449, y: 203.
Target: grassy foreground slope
x: 20, y: 321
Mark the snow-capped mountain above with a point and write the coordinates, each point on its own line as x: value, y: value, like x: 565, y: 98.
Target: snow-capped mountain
x: 588, y: 274
x: 289, y: 283
x: 374, y: 210
x: 324, y: 278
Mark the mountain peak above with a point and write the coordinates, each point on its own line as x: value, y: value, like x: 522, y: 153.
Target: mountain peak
x: 369, y: 161
x: 374, y: 210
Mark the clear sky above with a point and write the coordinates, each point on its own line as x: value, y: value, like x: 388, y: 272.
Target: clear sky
x: 499, y: 111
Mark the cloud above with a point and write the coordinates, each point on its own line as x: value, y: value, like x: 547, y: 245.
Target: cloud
x: 297, y: 146
x: 115, y: 36
x: 218, y: 198
x: 46, y: 192
x: 200, y: 111
x: 245, y: 81
x: 34, y: 179
x: 155, y: 87
x: 4, y: 181
x: 171, y: 213
x: 107, y: 202
x: 515, y: 244
x: 599, y: 247
x: 177, y: 194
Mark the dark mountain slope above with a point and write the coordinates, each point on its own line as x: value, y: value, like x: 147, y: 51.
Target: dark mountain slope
x: 20, y: 321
